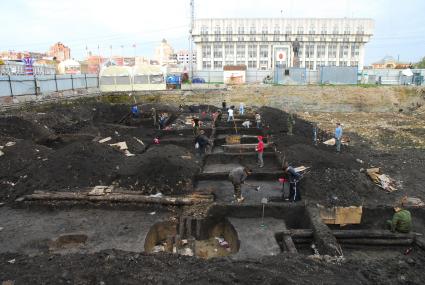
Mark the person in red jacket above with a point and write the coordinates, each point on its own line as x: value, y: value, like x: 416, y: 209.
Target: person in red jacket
x: 260, y: 149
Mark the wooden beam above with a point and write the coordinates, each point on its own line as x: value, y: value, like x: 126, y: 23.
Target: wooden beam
x: 352, y: 234
x: 374, y: 241
x: 118, y: 197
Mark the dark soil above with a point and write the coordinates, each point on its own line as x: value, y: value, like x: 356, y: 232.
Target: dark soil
x: 117, y: 267
x: 57, y: 150
x: 336, y: 179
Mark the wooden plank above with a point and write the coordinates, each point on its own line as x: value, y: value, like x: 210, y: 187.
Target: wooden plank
x: 117, y: 197
x: 373, y: 241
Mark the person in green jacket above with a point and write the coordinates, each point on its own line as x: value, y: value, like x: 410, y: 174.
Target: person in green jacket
x: 401, y: 222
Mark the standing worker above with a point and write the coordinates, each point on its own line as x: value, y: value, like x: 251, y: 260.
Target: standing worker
x: 238, y: 176
x: 338, y: 137
x: 195, y: 123
x: 315, y: 134
x: 202, y: 141
x: 260, y: 150
x: 258, y: 120
x: 224, y: 105
x: 291, y: 123
x: 230, y: 116
x: 241, y: 108
x: 153, y: 111
x: 294, y: 178
x: 402, y: 220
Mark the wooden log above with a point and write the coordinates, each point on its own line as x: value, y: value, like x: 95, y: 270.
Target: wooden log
x: 382, y: 234
x: 352, y: 234
x: 115, y: 197
x: 302, y: 240
x: 373, y: 241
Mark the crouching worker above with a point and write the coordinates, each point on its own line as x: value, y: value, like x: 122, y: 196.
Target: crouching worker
x: 238, y: 176
x: 294, y: 179
x: 402, y: 220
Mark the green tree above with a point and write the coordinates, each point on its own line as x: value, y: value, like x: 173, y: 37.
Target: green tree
x: 421, y: 64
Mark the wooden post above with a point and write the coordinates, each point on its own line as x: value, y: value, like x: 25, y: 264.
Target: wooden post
x: 10, y: 86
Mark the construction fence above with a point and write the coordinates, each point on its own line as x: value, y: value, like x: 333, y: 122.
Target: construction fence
x: 16, y: 85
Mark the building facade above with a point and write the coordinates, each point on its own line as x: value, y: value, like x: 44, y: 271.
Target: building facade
x: 60, y: 51
x: 183, y: 57
x: 164, y: 54
x: 390, y: 63
x: 266, y: 43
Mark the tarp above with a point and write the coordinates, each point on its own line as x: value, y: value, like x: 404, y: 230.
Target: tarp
x: 407, y: 72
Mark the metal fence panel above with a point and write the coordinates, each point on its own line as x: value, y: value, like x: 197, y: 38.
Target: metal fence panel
x: 5, y: 86
x: 312, y: 77
x: 210, y: 76
x: 257, y: 76
x: 23, y: 85
x: 92, y: 80
x: 46, y: 83
x: 79, y: 81
x: 338, y: 74
x: 64, y: 82
x: 290, y: 76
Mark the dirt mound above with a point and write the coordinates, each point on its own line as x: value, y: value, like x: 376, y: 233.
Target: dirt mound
x: 22, y: 128
x: 14, y: 165
x: 168, y: 169
x: 79, y: 164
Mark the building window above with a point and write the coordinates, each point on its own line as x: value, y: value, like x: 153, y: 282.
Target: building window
x: 229, y: 33
x: 240, y: 62
x: 321, y: 63
x: 252, y: 64
x: 360, y: 30
x: 229, y: 51
x: 300, y: 30
x: 332, y: 51
x: 309, y: 65
x: 332, y: 63
x: 252, y: 30
x: 206, y: 51
x: 347, y: 30
x: 204, y: 30
x: 229, y: 62
x: 309, y: 51
x: 300, y: 51
x: 264, y: 51
x: 321, y: 51
x: 264, y: 33
x: 343, y: 50
x: 218, y: 51
x: 288, y: 30
x: 241, y: 30
x: 252, y: 51
x: 323, y: 31
x: 218, y: 64
x: 206, y: 64
x: 240, y: 51
x: 342, y: 63
x: 264, y: 64
x: 355, y: 50
x: 217, y: 32
x: 312, y: 30
x: 335, y: 30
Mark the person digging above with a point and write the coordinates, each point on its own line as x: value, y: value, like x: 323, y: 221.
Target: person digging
x: 294, y: 178
x: 238, y: 176
x: 401, y: 221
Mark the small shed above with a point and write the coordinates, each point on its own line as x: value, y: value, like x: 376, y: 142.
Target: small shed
x: 234, y: 74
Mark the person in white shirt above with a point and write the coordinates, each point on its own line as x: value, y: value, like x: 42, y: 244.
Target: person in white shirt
x: 246, y: 124
x: 230, y: 117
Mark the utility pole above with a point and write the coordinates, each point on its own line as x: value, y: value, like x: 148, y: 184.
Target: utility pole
x: 192, y: 18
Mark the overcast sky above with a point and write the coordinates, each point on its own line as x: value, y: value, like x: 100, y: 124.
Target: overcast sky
x: 36, y: 24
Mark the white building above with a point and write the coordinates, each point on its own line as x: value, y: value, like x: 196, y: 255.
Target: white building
x: 183, y: 57
x: 267, y: 43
